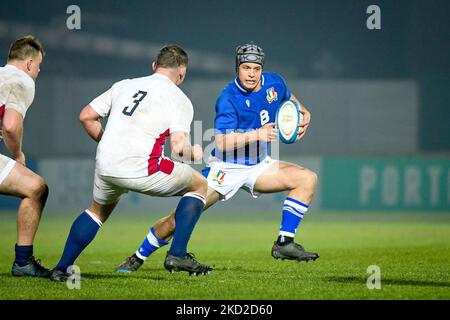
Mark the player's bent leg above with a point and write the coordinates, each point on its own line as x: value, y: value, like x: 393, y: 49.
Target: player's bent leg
x: 160, y: 234
x: 284, y: 176
x: 198, y: 185
x: 301, y: 185
x: 187, y: 214
x: 193, y: 187
x: 101, y: 211
x: 24, y: 183
x: 212, y: 197
x: 164, y: 227
x: 83, y: 231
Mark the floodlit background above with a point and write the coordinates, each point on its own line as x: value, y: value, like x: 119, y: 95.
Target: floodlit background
x: 380, y: 99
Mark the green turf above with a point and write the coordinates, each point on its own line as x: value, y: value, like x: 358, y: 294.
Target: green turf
x: 411, y: 249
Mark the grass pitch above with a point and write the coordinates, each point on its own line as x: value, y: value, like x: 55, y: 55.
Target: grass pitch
x: 412, y: 251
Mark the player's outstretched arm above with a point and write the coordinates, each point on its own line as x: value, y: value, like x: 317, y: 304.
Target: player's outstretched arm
x: 182, y: 148
x: 90, y: 120
x: 12, y: 131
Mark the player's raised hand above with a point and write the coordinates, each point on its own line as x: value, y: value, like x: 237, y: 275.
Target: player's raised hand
x: 267, y: 132
x: 306, y: 119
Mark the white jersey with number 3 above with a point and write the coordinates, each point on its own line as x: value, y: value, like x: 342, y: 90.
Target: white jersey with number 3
x: 142, y: 113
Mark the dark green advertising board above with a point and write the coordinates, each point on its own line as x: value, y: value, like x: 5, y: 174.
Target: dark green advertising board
x: 386, y: 183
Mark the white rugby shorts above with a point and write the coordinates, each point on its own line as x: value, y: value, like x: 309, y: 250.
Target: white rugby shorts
x: 227, y: 178
x: 6, y: 165
x: 108, y: 190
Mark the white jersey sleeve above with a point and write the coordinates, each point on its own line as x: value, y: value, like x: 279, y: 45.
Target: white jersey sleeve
x: 184, y: 116
x: 102, y: 104
x: 16, y: 89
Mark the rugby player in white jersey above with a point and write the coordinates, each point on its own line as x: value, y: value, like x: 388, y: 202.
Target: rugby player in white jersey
x: 142, y: 113
x: 17, y: 79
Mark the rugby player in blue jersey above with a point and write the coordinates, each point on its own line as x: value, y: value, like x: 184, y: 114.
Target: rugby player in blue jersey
x: 244, y: 128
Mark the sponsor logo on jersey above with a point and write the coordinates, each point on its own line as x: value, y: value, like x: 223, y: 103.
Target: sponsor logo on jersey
x: 219, y: 177
x: 272, y: 95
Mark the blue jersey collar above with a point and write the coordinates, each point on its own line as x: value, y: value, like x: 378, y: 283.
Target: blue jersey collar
x: 241, y: 87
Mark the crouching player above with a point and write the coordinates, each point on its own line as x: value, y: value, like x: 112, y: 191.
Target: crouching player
x: 142, y: 113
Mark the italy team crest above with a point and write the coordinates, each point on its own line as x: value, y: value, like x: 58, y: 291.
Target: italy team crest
x: 219, y: 177
x: 272, y: 95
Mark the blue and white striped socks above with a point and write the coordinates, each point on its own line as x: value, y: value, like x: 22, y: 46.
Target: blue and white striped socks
x: 293, y: 211
x: 150, y: 244
x: 186, y: 216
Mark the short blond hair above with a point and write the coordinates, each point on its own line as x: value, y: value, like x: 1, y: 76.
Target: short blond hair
x: 24, y: 48
x: 172, y: 56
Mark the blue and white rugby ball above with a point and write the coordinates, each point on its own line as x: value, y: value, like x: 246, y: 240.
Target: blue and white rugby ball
x: 287, y: 120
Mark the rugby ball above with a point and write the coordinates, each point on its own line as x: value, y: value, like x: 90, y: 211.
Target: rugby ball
x: 287, y: 120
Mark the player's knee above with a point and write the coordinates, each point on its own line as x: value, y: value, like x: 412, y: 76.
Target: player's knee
x: 199, y: 184
x: 311, y: 180
x: 304, y: 179
x: 45, y: 194
x: 39, y: 189
x: 203, y: 187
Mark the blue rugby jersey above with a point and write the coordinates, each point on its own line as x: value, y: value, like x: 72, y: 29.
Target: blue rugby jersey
x: 239, y: 110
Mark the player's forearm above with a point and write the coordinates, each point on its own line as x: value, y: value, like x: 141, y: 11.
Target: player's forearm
x: 302, y: 107
x: 231, y: 141
x: 13, y: 140
x: 90, y: 120
x: 12, y: 132
x: 93, y: 128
